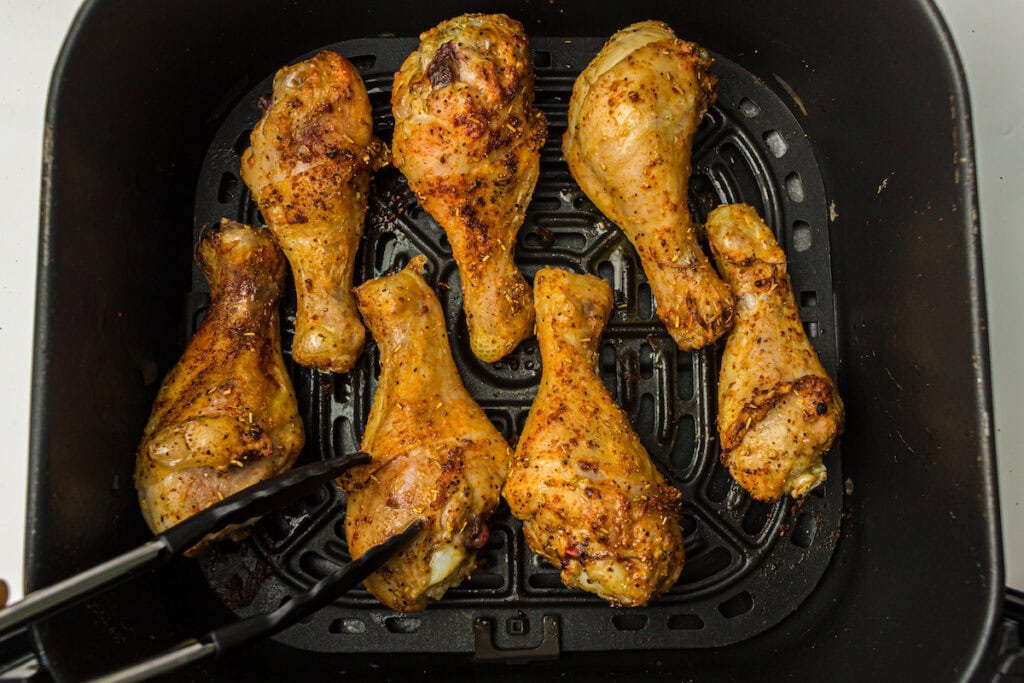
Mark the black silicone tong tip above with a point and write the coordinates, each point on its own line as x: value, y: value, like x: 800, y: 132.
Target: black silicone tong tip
x: 253, y: 502
x: 258, y: 500
x: 322, y: 593
x: 257, y: 627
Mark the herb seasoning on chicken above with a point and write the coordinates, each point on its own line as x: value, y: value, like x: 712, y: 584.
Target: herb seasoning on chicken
x: 468, y: 139
x: 225, y: 417
x: 632, y: 118
x: 436, y: 455
x: 590, y: 498
x: 309, y: 170
x: 778, y: 410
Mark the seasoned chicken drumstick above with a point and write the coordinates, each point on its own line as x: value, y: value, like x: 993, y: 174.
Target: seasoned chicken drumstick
x: 590, y: 498
x: 778, y: 410
x: 468, y: 140
x: 225, y: 417
x: 632, y: 117
x: 435, y: 454
x: 309, y: 170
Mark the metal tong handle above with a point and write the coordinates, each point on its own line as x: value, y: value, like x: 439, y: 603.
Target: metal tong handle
x: 255, y: 501
x: 260, y: 626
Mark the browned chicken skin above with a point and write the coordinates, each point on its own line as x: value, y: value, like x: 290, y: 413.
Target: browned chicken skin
x: 309, y: 170
x: 225, y: 417
x: 778, y: 410
x: 632, y: 117
x: 436, y: 455
x: 468, y: 140
x: 590, y: 498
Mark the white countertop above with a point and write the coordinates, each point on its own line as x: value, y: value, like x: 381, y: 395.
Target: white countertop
x: 987, y: 35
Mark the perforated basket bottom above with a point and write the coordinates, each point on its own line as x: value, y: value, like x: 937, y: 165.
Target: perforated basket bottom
x: 748, y: 564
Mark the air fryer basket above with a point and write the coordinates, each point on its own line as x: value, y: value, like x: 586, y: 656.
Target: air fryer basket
x: 847, y: 127
x: 750, y: 148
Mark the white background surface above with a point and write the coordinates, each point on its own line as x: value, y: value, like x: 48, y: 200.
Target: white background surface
x: 987, y: 33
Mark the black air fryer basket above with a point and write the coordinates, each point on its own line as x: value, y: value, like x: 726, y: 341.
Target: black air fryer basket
x: 846, y: 126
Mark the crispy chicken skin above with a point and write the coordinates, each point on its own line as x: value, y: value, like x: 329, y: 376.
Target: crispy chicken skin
x: 590, y: 498
x: 436, y: 455
x: 309, y: 170
x: 632, y: 117
x: 778, y: 410
x: 468, y: 139
x: 225, y: 417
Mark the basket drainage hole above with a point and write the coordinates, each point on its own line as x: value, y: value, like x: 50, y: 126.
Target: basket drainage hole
x: 646, y: 361
x: 517, y: 626
x: 741, y: 603
x: 629, y: 622
x: 363, y: 62
x: 684, y: 375
x: 701, y: 566
x: 546, y: 581
x: 749, y: 108
x: 801, y: 236
x: 277, y: 527
x: 803, y: 531
x: 682, y: 454
x: 689, y: 524
x: 795, y: 187
x: 227, y: 192
x: 756, y: 517
x: 347, y: 626
x: 685, y: 622
x: 606, y: 270
x: 402, y: 624
x: 718, y: 487
x: 808, y: 299
x: 541, y: 58
x: 776, y: 144
x: 316, y: 565
x: 813, y: 329
x: 315, y: 499
x: 242, y: 143
x: 645, y: 417
x: 645, y: 302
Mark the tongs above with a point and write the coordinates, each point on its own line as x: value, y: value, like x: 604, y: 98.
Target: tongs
x: 239, y: 508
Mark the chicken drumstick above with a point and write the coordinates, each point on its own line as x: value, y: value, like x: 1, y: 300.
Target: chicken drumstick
x: 468, y: 139
x: 632, y: 117
x: 309, y: 170
x: 436, y: 455
x: 778, y: 410
x: 589, y: 496
x: 225, y: 417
